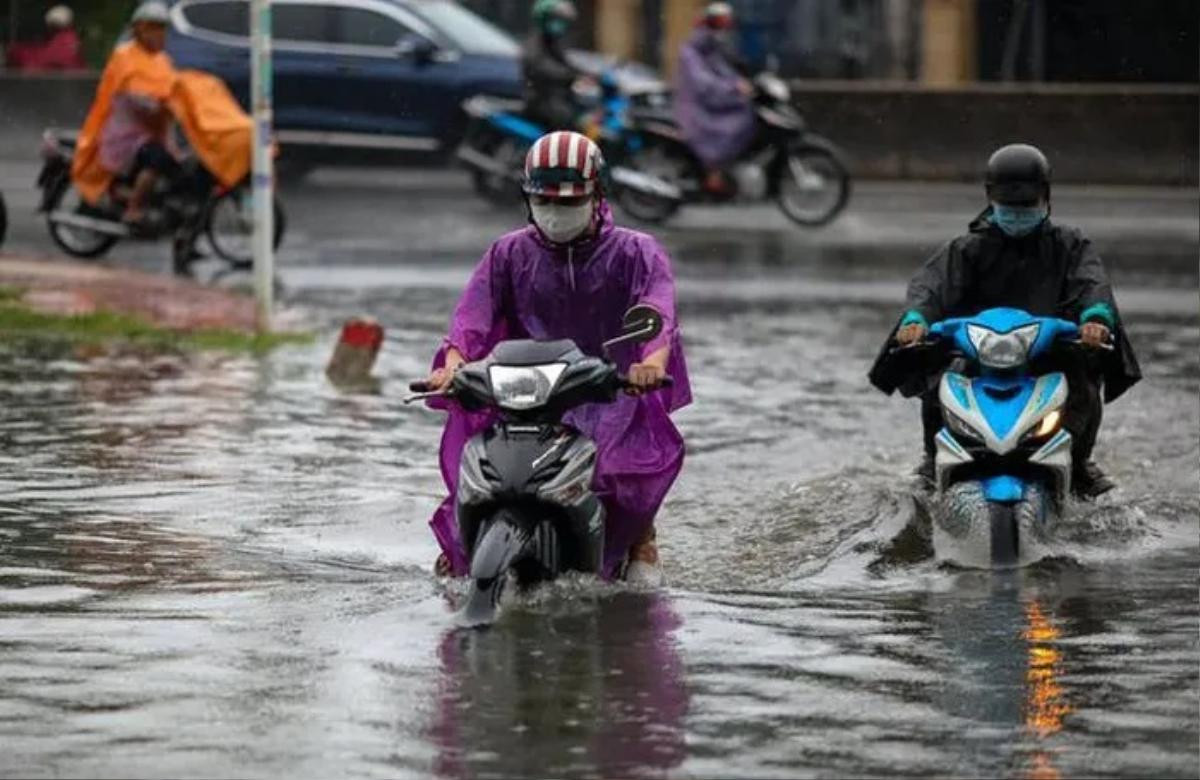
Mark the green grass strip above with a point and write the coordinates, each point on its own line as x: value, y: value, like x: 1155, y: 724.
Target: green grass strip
x: 101, y: 328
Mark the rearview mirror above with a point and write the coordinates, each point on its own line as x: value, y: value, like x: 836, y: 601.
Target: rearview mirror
x: 419, y: 48
x: 641, y: 324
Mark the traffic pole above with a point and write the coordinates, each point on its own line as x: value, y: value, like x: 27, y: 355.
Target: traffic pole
x: 262, y: 174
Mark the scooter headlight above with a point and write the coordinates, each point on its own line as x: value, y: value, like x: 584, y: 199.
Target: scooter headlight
x: 1046, y: 426
x: 1003, y: 350
x: 524, y: 387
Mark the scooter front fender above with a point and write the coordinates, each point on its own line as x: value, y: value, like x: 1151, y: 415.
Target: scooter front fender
x: 501, y: 543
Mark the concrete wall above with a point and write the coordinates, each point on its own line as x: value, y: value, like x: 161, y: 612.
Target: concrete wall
x: 1093, y: 133
x: 29, y: 104
x: 1112, y: 134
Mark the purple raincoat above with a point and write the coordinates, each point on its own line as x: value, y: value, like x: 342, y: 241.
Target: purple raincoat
x: 527, y: 288
x: 717, y: 120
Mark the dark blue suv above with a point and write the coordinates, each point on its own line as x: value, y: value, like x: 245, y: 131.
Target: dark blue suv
x: 356, y: 80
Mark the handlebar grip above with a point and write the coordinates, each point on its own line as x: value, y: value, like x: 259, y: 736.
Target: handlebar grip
x: 666, y: 381
x: 420, y: 387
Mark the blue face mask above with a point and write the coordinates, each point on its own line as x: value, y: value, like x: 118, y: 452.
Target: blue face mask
x: 557, y: 28
x: 1017, y: 221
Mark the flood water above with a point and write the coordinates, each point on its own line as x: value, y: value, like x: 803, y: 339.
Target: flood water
x: 219, y: 567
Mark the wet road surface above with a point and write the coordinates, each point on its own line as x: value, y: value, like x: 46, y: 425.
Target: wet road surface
x: 220, y: 566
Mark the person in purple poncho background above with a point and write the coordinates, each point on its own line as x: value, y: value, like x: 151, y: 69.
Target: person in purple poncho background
x: 571, y: 273
x: 713, y: 100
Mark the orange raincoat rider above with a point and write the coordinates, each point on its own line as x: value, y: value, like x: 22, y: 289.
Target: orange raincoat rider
x: 126, y: 130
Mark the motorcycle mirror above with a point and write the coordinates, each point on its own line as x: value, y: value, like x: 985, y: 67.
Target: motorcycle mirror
x: 419, y: 48
x: 641, y: 324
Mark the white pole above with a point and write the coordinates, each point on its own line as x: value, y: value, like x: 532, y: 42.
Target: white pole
x: 263, y: 174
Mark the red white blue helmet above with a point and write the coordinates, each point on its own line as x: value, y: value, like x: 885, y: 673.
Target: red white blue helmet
x: 563, y: 164
x: 718, y: 16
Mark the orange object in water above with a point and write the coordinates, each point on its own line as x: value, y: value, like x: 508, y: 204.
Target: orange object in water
x: 218, y: 130
x: 130, y: 69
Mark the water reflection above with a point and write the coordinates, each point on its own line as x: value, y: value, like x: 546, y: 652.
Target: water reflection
x: 1045, y: 700
x: 593, y: 688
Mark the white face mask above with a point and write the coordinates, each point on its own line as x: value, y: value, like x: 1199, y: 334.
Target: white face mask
x: 562, y: 224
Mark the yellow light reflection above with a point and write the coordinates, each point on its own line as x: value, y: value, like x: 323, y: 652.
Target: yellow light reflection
x: 1045, y: 702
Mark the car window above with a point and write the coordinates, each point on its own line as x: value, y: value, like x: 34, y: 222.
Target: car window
x: 360, y: 27
x: 468, y: 32
x: 303, y: 23
x: 228, y: 17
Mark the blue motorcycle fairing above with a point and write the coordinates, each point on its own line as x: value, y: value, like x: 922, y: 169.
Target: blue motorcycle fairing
x: 518, y: 126
x: 1003, y: 489
x: 1004, y: 320
x: 1002, y: 400
x: 1001, y: 408
x: 1050, y: 385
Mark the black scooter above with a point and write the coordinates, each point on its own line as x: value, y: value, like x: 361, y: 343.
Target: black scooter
x: 184, y: 209
x: 525, y: 506
x: 803, y: 172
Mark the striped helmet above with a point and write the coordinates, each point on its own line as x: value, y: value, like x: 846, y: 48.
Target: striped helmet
x: 718, y: 16
x: 563, y: 164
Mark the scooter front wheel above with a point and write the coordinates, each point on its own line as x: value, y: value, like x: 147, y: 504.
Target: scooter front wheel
x: 483, y: 602
x: 498, y: 186
x: 1006, y: 542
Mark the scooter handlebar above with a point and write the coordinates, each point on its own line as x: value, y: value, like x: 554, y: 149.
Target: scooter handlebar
x: 666, y: 381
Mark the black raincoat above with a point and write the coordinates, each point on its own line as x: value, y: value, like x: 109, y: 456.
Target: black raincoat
x: 1053, y: 272
x: 548, y: 81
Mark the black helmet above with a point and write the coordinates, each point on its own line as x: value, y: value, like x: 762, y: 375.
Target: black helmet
x: 1018, y: 175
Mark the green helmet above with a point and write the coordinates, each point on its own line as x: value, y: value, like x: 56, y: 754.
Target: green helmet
x: 559, y: 12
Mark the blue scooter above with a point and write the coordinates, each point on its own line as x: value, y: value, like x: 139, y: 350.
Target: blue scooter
x: 1003, y: 461
x: 499, y: 135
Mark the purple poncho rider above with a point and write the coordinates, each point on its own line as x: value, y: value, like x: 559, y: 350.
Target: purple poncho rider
x: 712, y: 99
x: 572, y: 274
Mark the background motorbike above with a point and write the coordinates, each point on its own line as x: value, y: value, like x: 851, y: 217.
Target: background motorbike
x: 1003, y: 460
x: 803, y: 172
x: 499, y: 135
x: 525, y: 507
x: 191, y: 206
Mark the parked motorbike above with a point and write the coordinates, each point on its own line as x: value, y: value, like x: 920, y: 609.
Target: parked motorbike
x: 525, y: 506
x: 803, y: 172
x: 192, y: 205
x: 1003, y: 459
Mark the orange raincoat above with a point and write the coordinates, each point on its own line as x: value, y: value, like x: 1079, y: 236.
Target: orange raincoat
x: 216, y: 127
x: 218, y: 130
x: 130, y: 69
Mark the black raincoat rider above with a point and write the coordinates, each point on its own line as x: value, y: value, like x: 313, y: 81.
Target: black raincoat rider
x: 1014, y: 255
x: 549, y: 76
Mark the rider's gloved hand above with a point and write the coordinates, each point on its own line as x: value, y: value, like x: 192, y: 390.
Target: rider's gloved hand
x: 1094, y: 334
x: 440, y: 379
x: 911, y: 334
